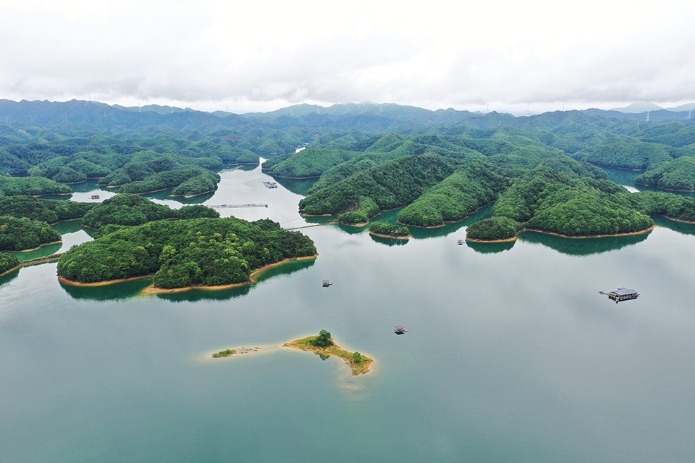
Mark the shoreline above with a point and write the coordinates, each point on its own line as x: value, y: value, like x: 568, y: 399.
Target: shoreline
x: 507, y: 240
x: 252, y: 279
x: 17, y: 267
x: 678, y: 220
x: 381, y: 235
x: 39, y: 247
x: 153, y: 290
x: 664, y: 188
x: 192, y: 196
x: 101, y: 283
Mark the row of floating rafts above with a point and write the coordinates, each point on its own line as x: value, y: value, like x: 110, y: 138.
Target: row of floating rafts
x: 397, y: 329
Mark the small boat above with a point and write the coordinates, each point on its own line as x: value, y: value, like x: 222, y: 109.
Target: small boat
x: 95, y: 196
x: 460, y: 242
x: 326, y: 283
x: 400, y: 330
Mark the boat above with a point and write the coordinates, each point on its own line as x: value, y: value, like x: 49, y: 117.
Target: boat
x: 400, y: 330
x: 621, y: 294
x: 95, y: 196
x: 326, y: 283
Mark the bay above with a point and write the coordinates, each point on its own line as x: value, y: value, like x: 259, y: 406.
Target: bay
x: 511, y: 354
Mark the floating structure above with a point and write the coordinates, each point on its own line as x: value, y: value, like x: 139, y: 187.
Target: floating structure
x: 621, y: 294
x: 460, y: 242
x: 95, y: 196
x: 400, y: 330
x: 326, y: 283
x: 270, y: 184
x: 222, y: 206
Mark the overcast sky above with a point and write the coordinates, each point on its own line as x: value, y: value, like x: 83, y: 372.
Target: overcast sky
x: 259, y: 55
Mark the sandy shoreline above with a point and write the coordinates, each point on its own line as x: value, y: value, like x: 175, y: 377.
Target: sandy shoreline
x: 507, y: 240
x: 381, y: 235
x: 153, y: 290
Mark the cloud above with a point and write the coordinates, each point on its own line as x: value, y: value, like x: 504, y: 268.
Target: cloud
x: 213, y: 54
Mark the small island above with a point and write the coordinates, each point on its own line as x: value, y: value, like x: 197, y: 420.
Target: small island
x: 387, y: 230
x: 224, y: 353
x: 324, y: 346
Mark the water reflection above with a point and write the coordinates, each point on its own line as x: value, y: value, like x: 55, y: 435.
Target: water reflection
x: 116, y: 291
x: 133, y: 288
x: 582, y: 246
x: 296, y: 186
x: 680, y: 227
x: 389, y: 241
x: 6, y: 278
x: 490, y: 248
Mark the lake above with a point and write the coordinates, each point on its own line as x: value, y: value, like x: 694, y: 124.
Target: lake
x: 512, y: 355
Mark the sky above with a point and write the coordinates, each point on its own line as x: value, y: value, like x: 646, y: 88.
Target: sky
x: 516, y: 56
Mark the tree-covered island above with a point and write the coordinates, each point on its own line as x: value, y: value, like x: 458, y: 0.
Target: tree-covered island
x: 388, y: 230
x: 324, y: 346
x: 203, y: 252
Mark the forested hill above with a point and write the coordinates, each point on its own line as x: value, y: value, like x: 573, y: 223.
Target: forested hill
x: 364, y: 117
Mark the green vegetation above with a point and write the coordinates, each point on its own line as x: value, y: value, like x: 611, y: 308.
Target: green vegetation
x: 669, y: 205
x: 626, y: 153
x: 383, y: 228
x: 390, y: 185
x: 19, y: 234
x: 11, y: 186
x: 493, y: 229
x: 456, y: 197
x: 310, y: 162
x: 561, y: 202
x: 323, y: 346
x: 7, y: 262
x: 184, y: 253
x: 45, y: 210
x: 224, y: 353
x: 129, y: 209
x: 323, y: 340
x: 678, y: 174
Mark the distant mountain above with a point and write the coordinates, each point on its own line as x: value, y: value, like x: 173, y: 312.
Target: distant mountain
x: 683, y: 107
x: 640, y: 107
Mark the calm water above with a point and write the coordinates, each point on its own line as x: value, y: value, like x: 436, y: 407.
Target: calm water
x: 512, y: 355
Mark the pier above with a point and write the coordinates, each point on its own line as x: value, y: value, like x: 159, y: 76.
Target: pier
x: 223, y: 206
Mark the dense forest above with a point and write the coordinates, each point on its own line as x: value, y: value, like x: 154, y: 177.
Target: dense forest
x: 7, y: 262
x: 45, y: 210
x: 128, y: 209
x: 19, y: 234
x: 437, y: 166
x: 383, y: 228
x: 182, y: 253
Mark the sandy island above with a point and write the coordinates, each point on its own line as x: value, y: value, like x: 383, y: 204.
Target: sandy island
x: 361, y: 368
x: 335, y: 350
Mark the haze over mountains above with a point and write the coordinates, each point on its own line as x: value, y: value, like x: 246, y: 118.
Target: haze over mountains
x: 357, y: 116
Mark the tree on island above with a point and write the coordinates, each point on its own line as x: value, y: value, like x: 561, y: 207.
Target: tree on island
x: 323, y: 340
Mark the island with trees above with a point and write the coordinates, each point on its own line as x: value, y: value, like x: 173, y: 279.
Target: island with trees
x: 324, y: 346
x: 187, y: 253
x: 388, y: 230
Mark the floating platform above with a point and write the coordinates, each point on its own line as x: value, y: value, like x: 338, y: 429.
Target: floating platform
x: 621, y: 294
x: 270, y: 184
x: 400, y: 330
x: 326, y: 283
